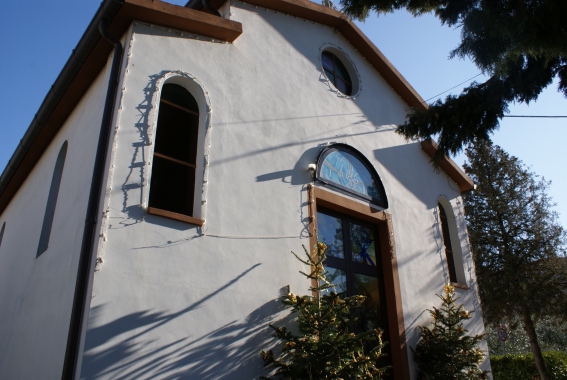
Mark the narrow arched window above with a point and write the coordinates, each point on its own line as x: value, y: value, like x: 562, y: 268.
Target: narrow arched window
x: 172, y: 187
x: 447, y: 243
x: 347, y: 170
x: 2, y: 233
x: 52, y: 201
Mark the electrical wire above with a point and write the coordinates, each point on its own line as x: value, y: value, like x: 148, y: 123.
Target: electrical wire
x: 528, y: 116
x: 433, y: 97
x: 549, y: 117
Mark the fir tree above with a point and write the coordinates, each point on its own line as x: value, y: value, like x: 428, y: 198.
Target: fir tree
x: 326, y: 346
x: 445, y: 351
x: 520, y: 44
x: 518, y: 245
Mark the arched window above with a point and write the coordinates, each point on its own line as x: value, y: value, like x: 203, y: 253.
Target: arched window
x: 172, y: 187
x: 447, y: 244
x: 451, y: 244
x: 344, y: 168
x: 2, y: 233
x: 52, y: 201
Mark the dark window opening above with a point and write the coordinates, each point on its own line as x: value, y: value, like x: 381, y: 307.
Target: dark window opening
x: 354, y: 265
x: 172, y: 185
x: 447, y: 244
x: 2, y: 233
x: 336, y: 72
x: 52, y: 201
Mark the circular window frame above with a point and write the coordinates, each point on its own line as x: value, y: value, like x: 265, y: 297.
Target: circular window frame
x: 348, y: 64
x: 345, y: 190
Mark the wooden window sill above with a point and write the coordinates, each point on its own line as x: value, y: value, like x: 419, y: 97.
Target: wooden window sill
x: 460, y: 286
x: 175, y: 216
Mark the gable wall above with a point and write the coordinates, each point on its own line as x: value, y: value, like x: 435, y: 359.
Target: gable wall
x: 172, y: 299
x: 37, y: 293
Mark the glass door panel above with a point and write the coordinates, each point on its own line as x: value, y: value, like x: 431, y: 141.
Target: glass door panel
x: 338, y: 278
x: 362, y: 244
x: 330, y: 232
x: 370, y: 312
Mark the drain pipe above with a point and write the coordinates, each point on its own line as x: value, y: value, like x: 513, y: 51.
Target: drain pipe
x: 91, y: 220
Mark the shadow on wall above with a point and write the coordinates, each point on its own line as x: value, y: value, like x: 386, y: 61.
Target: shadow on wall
x: 229, y: 352
x: 325, y: 137
x: 404, y: 170
x: 139, y: 158
x: 299, y: 174
x: 424, y: 286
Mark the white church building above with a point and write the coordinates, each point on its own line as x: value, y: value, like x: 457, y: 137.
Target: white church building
x: 147, y: 217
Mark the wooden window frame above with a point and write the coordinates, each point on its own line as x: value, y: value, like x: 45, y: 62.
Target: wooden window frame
x: 447, y: 244
x: 446, y: 226
x: 175, y: 216
x: 383, y: 221
x: 167, y: 213
x: 346, y: 263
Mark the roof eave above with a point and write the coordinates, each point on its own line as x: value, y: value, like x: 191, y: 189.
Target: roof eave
x: 85, y: 63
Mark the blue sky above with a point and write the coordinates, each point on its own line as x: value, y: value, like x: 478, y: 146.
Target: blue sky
x: 38, y: 36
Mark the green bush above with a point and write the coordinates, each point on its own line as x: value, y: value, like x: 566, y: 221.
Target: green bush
x: 519, y: 367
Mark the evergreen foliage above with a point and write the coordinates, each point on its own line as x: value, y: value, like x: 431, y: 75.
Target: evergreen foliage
x: 518, y: 245
x: 327, y: 346
x: 519, y: 43
x: 445, y: 351
x: 514, y: 367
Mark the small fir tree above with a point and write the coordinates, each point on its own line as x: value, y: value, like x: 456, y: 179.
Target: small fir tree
x: 327, y: 346
x: 446, y: 351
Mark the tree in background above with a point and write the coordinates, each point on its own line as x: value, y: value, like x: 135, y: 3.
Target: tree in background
x: 518, y: 245
x: 445, y: 351
x: 551, y: 336
x: 519, y: 43
x: 327, y: 345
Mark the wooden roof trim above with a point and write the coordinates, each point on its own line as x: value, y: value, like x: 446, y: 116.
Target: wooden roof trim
x: 311, y: 11
x: 449, y: 166
x: 178, y: 17
x: 153, y: 12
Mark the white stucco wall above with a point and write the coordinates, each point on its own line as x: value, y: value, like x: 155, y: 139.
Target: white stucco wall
x: 36, y: 294
x: 174, y: 300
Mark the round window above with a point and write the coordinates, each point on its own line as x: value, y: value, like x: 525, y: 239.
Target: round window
x: 337, y: 72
